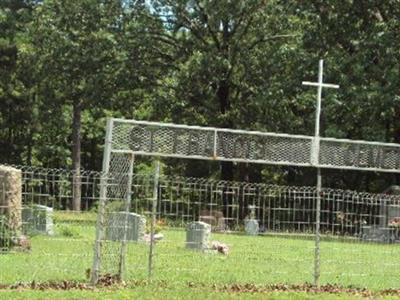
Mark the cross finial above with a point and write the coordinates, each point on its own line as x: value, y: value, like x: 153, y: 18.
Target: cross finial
x: 320, y: 85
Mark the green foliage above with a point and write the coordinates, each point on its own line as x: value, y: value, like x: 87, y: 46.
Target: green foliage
x: 67, y: 217
x: 160, y: 225
x: 223, y: 63
x: 115, y: 206
x: 68, y: 231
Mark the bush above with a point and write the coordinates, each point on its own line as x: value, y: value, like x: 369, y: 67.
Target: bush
x: 159, y: 226
x: 68, y: 231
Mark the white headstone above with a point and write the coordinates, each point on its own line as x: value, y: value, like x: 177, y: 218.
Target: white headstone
x: 251, y: 227
x: 198, y: 235
x: 135, y: 227
x: 38, y: 219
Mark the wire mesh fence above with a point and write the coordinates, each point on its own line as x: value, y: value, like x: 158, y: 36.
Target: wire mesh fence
x: 51, y: 242
x: 268, y: 231
x: 359, y: 232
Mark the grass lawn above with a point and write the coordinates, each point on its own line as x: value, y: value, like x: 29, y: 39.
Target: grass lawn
x: 259, y: 260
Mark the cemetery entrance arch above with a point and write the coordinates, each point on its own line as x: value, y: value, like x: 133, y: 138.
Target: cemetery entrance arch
x: 128, y: 138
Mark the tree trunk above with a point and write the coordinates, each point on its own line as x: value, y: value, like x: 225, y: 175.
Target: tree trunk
x: 226, y: 166
x: 225, y: 105
x: 76, y: 155
x: 396, y: 135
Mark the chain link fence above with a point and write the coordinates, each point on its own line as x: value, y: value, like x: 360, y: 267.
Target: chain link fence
x: 207, y: 143
x: 52, y: 243
x: 359, y: 231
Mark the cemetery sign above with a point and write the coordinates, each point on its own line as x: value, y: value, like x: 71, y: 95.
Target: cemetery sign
x: 171, y: 140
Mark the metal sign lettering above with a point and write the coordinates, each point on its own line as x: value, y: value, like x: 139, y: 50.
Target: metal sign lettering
x: 171, y: 140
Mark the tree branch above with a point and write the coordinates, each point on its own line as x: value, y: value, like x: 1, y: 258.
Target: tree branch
x: 212, y: 33
x: 262, y: 40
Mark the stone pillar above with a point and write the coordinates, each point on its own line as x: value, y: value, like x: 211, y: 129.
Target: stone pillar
x: 11, y: 198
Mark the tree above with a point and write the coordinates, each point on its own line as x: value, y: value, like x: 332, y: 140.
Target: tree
x: 17, y: 81
x: 222, y: 68
x: 79, y: 52
x: 359, y: 40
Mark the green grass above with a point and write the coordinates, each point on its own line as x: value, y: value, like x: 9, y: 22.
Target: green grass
x: 260, y: 260
x: 74, y: 217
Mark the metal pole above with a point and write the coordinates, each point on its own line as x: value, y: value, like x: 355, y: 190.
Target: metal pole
x: 122, y: 265
x: 102, y: 205
x: 317, y: 257
x: 153, y: 217
x: 319, y: 97
x: 315, y: 162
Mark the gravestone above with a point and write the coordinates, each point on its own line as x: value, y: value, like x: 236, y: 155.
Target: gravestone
x: 393, y: 214
x: 379, y: 234
x: 251, y: 227
x: 135, y: 226
x: 221, y: 225
x: 389, y: 220
x: 215, y: 218
x: 10, y: 201
x: 37, y: 219
x: 388, y: 211
x: 198, y: 235
x: 251, y: 224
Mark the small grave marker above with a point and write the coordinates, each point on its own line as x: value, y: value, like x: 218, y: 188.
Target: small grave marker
x: 251, y: 225
x: 215, y: 218
x: 38, y: 219
x: 135, y: 225
x: 198, y: 235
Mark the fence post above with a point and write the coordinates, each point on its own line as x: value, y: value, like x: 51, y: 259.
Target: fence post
x: 317, y: 258
x: 153, y: 217
x: 122, y: 256
x: 102, y: 205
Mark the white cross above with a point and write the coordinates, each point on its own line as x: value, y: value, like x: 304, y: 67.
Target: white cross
x: 315, y: 161
x: 320, y: 85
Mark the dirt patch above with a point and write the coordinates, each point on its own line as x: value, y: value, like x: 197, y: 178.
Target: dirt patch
x: 249, y: 288
x: 113, y: 281
x: 106, y: 280
x: 306, y: 288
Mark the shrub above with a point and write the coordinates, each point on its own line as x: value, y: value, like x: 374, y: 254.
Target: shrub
x: 68, y: 231
x: 159, y: 226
